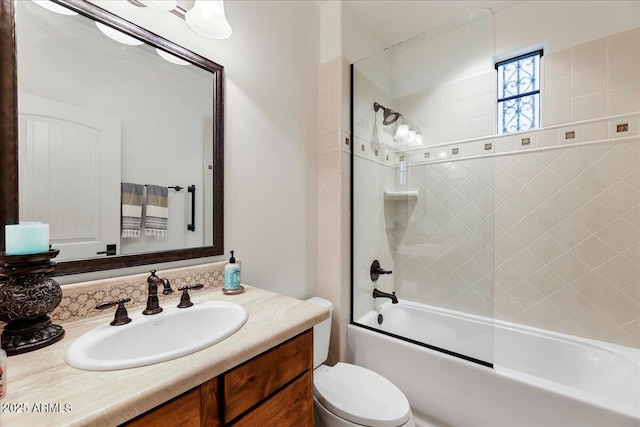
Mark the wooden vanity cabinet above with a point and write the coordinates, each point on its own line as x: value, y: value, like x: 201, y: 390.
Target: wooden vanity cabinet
x: 195, y: 408
x: 272, y: 389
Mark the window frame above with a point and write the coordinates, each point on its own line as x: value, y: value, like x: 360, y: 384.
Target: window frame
x: 500, y: 101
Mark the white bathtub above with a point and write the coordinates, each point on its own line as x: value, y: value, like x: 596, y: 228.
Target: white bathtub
x: 539, y: 379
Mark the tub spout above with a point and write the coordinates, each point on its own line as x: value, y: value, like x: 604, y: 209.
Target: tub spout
x: 380, y: 294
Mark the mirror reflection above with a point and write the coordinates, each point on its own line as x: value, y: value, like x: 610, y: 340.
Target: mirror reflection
x: 112, y: 135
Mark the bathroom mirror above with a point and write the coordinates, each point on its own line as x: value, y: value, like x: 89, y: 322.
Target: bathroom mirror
x: 150, y: 113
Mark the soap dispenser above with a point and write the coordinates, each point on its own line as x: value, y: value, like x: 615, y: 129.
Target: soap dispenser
x: 232, y: 277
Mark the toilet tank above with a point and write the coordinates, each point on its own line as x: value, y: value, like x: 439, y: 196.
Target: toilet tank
x: 321, y: 333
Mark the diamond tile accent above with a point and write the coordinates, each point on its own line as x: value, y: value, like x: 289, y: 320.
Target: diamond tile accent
x: 586, y: 254
x: 446, y: 233
x: 559, y: 250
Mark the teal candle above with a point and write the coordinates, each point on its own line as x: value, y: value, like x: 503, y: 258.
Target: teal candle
x: 26, y: 238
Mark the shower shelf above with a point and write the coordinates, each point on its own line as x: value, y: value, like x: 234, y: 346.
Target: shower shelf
x: 401, y: 195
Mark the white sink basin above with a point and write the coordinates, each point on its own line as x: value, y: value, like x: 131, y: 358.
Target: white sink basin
x: 157, y: 338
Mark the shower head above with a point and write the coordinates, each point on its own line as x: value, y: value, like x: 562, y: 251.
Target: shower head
x: 388, y: 115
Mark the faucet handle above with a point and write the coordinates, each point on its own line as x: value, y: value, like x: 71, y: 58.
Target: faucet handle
x: 121, y: 317
x: 185, y: 299
x: 153, y: 279
x: 375, y: 271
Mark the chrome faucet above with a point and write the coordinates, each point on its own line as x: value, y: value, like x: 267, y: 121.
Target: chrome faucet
x: 380, y: 294
x: 153, y: 304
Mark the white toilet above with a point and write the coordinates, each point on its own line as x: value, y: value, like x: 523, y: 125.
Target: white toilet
x: 350, y: 395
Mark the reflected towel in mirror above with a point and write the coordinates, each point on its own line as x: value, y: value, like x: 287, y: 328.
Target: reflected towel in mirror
x: 131, y: 201
x: 156, y: 211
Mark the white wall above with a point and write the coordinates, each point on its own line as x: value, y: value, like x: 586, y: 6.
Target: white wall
x: 271, y: 64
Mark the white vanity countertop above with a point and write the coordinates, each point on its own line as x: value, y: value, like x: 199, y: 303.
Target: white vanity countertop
x: 65, y: 396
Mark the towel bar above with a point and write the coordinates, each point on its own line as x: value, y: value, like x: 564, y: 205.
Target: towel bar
x: 192, y: 189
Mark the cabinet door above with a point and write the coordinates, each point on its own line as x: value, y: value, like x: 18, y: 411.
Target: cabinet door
x: 291, y: 407
x: 182, y: 411
x: 196, y: 408
x: 255, y: 380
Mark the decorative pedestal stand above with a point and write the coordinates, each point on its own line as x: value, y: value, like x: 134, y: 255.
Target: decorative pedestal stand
x: 27, y: 296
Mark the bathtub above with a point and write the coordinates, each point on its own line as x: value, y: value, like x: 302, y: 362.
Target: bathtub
x: 539, y: 378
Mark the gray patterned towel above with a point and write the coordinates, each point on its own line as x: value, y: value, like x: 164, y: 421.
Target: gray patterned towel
x: 157, y: 211
x: 131, y: 201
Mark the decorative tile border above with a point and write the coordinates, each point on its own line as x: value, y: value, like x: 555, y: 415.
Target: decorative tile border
x: 79, y: 299
x: 609, y: 129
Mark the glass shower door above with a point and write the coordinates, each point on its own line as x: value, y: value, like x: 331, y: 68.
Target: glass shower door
x: 422, y: 189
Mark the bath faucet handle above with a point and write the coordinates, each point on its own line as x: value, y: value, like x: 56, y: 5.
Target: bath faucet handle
x: 375, y: 271
x: 121, y: 317
x: 185, y: 299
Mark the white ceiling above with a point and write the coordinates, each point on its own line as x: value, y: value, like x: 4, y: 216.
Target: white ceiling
x: 394, y: 21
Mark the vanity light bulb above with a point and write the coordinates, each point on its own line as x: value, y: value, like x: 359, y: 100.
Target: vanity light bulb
x: 418, y: 140
x: 171, y: 58
x: 118, y: 36
x: 402, y: 133
x: 207, y: 18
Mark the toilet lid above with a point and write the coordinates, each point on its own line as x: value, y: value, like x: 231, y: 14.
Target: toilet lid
x: 361, y: 396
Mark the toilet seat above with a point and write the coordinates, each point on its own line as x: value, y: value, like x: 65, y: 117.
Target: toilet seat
x: 360, y: 396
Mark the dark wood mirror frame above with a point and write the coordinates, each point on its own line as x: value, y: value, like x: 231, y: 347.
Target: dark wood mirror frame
x: 9, y: 207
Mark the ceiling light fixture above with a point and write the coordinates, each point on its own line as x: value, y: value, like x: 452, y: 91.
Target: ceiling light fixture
x: 206, y: 17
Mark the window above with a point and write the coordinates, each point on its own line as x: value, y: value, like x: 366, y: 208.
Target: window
x: 519, y: 93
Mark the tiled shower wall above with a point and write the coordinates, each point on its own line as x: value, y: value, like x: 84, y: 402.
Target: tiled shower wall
x: 373, y: 232
x: 593, y: 80
x: 373, y: 225
x: 586, y: 82
x: 547, y: 237
x: 445, y: 255
x: 333, y: 199
x: 564, y: 245
x: 455, y: 111
x: 567, y: 239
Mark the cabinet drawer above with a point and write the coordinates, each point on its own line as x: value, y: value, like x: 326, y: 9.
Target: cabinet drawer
x: 251, y: 382
x: 291, y: 407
